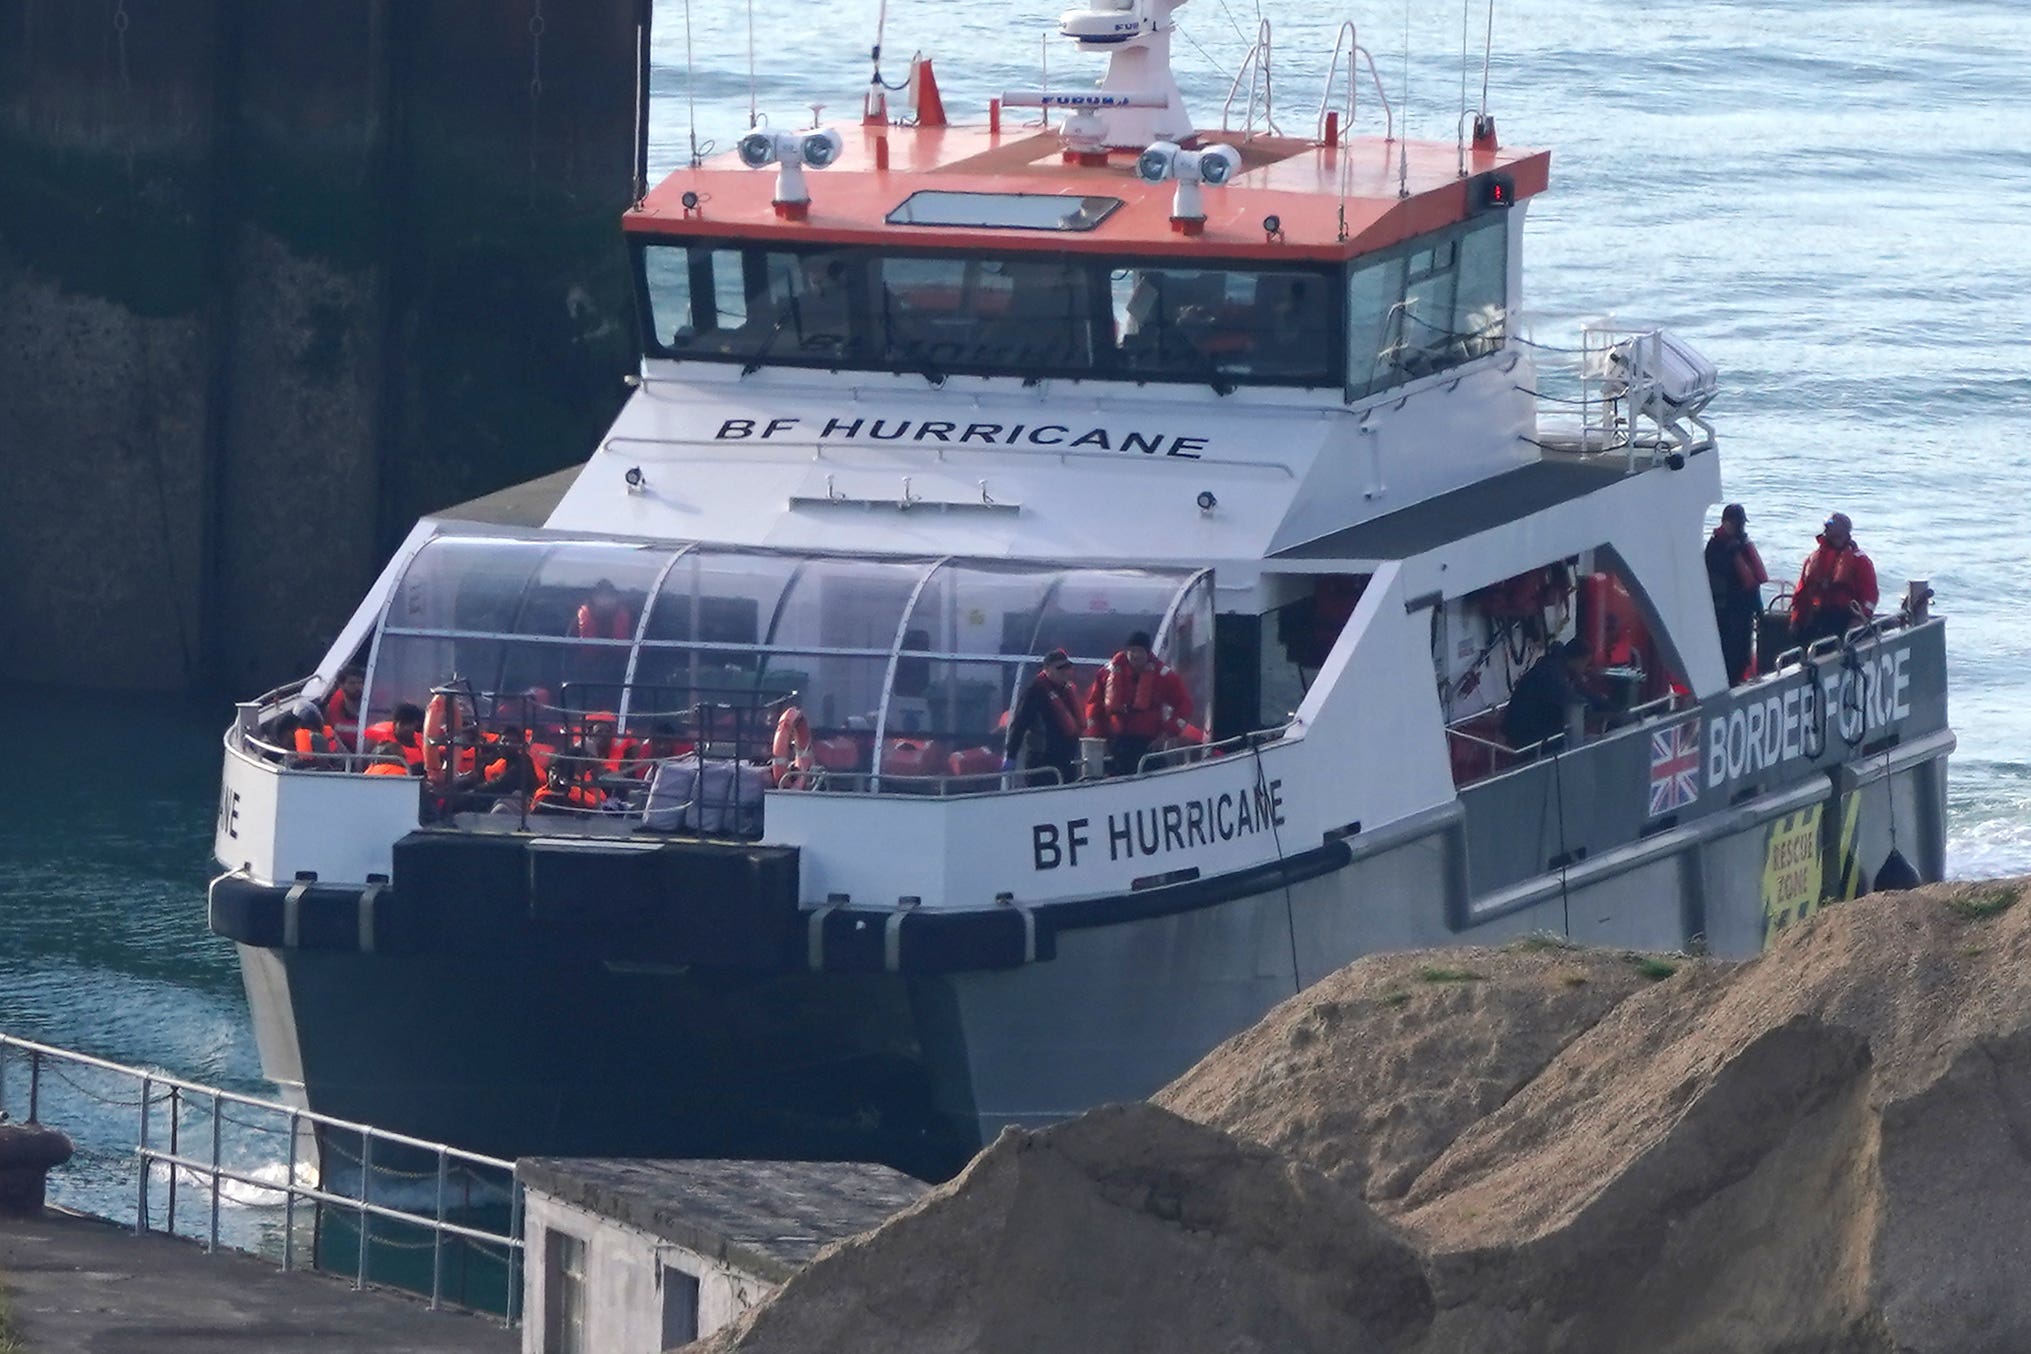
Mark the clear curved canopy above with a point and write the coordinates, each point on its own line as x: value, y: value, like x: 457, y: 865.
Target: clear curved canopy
x: 871, y: 650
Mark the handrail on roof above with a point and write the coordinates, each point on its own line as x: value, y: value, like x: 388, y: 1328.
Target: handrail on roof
x: 1349, y: 42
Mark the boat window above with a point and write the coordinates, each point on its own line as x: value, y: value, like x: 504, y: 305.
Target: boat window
x: 756, y: 305
x: 1201, y: 324
x: 1005, y: 211
x: 975, y: 314
x: 1028, y: 316
x: 1426, y: 307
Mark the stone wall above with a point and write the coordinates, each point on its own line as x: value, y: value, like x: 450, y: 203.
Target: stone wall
x: 274, y: 281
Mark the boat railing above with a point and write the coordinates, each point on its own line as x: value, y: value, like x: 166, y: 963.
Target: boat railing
x: 1477, y: 757
x: 1255, y: 71
x: 1854, y: 637
x: 1628, y: 390
x: 632, y: 778
x: 201, y: 1155
x: 1186, y: 753
x: 1348, y: 43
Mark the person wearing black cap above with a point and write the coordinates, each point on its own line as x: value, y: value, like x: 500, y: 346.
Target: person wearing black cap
x: 1542, y: 697
x: 1735, y: 577
x: 1136, y: 700
x: 1044, y: 730
x: 1836, y: 588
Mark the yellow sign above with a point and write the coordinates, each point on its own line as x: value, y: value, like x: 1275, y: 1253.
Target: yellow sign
x: 1792, y: 873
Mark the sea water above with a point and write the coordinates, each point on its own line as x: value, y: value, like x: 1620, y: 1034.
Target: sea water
x: 1820, y: 194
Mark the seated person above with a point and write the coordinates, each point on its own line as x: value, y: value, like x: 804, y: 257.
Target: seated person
x: 342, y: 706
x: 823, y: 305
x: 564, y: 793
x: 640, y: 755
x: 1543, y: 697
x: 404, y: 729
x: 389, y: 761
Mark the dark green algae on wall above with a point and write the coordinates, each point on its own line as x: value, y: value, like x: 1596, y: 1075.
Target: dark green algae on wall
x: 274, y: 281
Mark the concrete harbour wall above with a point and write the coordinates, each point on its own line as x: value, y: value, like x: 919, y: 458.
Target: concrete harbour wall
x: 275, y: 280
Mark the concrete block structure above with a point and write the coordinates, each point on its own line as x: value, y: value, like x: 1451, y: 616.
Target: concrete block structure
x: 636, y: 1257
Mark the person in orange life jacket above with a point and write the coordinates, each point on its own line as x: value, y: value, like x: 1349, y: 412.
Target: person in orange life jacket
x: 1836, y: 588
x: 494, y: 772
x: 404, y: 728
x: 1136, y: 700
x: 564, y: 793
x: 1735, y: 577
x: 600, y: 750
x: 1044, y: 730
x: 388, y: 761
x: 663, y: 743
x: 603, y: 615
x: 304, y: 744
x: 342, y: 707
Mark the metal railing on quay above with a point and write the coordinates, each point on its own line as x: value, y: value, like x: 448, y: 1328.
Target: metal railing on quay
x: 304, y: 1170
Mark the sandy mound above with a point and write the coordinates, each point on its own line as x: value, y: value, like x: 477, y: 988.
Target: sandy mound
x: 1827, y: 1149
x: 1932, y: 988
x: 1371, y: 1073
x: 1128, y: 1229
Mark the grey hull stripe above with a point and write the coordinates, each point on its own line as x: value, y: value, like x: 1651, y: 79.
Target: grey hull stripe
x: 1743, y: 817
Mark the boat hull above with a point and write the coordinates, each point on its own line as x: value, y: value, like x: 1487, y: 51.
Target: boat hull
x: 535, y: 1053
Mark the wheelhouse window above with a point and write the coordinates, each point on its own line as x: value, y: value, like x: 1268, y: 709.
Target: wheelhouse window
x: 1427, y: 306
x: 1027, y: 315
x: 1195, y: 324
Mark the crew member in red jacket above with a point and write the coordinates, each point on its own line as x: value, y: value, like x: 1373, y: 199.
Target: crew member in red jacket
x: 1136, y: 700
x: 1836, y: 588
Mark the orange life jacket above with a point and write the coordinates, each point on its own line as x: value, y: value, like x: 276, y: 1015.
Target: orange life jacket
x: 342, y: 719
x: 383, y: 731
x: 619, y: 625
x: 1152, y: 703
x: 577, y: 795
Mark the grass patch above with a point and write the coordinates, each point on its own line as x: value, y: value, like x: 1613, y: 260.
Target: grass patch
x: 9, y: 1343
x: 1653, y: 968
x: 1432, y: 974
x: 1392, y: 999
x: 1979, y: 904
x: 1544, y: 940
x: 1574, y: 980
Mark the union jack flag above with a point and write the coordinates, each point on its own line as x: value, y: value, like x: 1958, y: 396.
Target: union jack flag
x: 1674, y: 767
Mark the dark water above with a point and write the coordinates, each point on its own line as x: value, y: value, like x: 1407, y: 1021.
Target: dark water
x: 1825, y: 195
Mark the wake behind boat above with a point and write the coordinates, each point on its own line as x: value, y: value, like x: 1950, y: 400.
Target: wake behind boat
x: 680, y: 816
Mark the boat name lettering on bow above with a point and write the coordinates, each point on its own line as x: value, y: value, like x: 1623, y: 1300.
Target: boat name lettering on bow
x: 963, y: 434
x: 1178, y: 826
x: 1844, y: 704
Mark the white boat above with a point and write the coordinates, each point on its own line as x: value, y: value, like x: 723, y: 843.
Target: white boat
x: 919, y: 403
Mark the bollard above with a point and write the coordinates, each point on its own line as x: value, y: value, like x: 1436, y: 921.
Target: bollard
x: 27, y: 1152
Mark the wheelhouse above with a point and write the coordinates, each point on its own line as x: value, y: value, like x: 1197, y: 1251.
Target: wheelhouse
x: 1407, y: 311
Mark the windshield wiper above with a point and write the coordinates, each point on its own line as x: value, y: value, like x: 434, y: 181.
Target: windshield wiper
x: 921, y: 365
x: 754, y: 363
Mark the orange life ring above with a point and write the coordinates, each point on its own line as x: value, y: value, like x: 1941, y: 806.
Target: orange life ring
x: 790, y: 756
x: 442, y: 720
